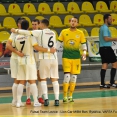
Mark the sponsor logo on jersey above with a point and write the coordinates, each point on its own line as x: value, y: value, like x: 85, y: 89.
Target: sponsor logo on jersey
x: 77, y: 36
x: 50, y: 33
x: 71, y: 43
x: 24, y: 37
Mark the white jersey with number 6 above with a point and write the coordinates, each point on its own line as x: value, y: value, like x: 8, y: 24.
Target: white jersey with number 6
x: 47, y: 39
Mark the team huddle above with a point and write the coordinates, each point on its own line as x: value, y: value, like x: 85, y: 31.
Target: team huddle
x: 34, y: 57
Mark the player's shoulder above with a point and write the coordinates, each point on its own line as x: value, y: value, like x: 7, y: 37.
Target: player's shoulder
x: 52, y: 32
x: 21, y: 36
x: 65, y: 30
x: 79, y: 31
x: 37, y: 31
x: 49, y: 32
x: 13, y: 34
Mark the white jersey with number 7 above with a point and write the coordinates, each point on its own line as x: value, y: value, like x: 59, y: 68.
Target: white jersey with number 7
x: 25, y: 44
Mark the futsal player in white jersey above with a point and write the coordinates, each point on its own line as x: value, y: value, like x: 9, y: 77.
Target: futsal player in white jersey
x: 14, y: 63
x: 35, y: 26
x: 26, y: 64
x: 48, y: 67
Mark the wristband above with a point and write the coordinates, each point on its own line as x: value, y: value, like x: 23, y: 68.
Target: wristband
x: 16, y: 30
x: 48, y: 49
x: 84, y: 52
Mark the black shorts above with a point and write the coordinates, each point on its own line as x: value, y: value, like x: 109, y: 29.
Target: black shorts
x: 107, y: 55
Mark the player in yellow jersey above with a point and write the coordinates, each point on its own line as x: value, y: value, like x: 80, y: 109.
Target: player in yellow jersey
x: 71, y: 58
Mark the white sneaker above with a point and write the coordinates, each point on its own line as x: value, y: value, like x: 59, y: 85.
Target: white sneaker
x: 19, y: 104
x: 37, y: 104
x: 14, y: 103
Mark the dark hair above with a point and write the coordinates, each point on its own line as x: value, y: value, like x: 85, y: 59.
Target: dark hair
x: 45, y: 21
x: 106, y: 16
x: 24, y: 24
x: 75, y: 18
x: 36, y: 20
x: 19, y: 20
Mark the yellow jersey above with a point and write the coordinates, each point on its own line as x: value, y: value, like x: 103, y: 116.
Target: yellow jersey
x: 71, y: 42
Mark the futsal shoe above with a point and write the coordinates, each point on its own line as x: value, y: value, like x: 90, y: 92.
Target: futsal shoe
x: 19, y: 104
x: 104, y: 86
x: 113, y: 85
x: 70, y: 99
x: 65, y: 100
x: 41, y: 100
x: 46, y: 102
x: 36, y: 104
x: 56, y: 103
x: 28, y: 101
x: 14, y: 103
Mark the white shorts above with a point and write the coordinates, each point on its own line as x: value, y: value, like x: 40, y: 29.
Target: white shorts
x: 27, y: 72
x: 48, y: 68
x: 14, y: 67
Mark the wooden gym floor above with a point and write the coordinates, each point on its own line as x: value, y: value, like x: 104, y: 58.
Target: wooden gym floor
x: 89, y: 102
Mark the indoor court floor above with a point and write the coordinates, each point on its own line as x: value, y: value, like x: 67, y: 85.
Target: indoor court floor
x: 89, y: 102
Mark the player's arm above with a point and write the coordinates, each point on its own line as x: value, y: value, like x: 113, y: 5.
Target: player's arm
x: 106, y: 36
x: 60, y: 40
x: 59, y: 44
x: 39, y: 48
x: 26, y: 32
x: 9, y: 46
x: 84, y: 46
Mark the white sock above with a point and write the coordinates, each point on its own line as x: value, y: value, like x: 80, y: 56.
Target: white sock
x: 44, y: 89
x: 39, y: 90
x: 33, y: 90
x: 19, y: 92
x: 56, y: 89
x: 14, y: 92
x: 28, y: 90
